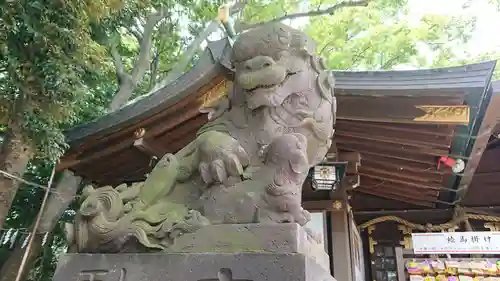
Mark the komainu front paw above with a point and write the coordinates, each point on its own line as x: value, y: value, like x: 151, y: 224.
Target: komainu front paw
x: 221, y: 157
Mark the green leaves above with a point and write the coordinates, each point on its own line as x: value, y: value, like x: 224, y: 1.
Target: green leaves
x: 384, y: 36
x: 47, y: 48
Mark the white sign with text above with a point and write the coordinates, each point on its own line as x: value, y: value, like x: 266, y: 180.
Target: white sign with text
x: 484, y: 242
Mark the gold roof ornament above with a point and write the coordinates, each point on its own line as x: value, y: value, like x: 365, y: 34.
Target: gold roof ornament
x: 451, y: 114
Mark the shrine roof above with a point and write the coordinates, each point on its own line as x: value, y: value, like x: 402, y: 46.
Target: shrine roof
x: 379, y: 116
x: 206, y: 69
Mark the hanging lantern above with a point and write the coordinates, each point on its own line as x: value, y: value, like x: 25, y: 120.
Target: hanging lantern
x: 327, y: 175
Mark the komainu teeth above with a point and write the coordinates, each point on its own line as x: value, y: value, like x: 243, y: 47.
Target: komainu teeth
x: 288, y: 75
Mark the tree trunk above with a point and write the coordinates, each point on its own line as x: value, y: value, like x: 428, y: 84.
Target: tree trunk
x: 63, y: 195
x: 13, y: 160
x: 122, y: 96
x: 58, y: 202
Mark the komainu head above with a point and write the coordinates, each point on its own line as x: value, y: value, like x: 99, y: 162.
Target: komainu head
x: 276, y: 68
x: 274, y: 60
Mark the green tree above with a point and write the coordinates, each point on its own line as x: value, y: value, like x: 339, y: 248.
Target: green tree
x: 372, y: 42
x: 46, y: 50
x: 48, y: 60
x: 142, y: 39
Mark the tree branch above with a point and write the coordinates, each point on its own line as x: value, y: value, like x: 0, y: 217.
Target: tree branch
x: 328, y: 11
x: 142, y: 62
x: 137, y: 34
x: 326, y: 46
x: 358, y: 56
x: 128, y: 82
x: 118, y: 63
x: 183, y: 62
x: 390, y: 62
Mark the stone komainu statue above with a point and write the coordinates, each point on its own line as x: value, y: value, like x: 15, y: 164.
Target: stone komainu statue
x: 246, y: 165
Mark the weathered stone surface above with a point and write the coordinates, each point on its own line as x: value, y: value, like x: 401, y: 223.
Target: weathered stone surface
x: 247, y: 165
x: 189, y: 267
x: 252, y: 238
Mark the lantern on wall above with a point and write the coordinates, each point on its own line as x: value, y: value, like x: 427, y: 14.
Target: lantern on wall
x: 327, y: 175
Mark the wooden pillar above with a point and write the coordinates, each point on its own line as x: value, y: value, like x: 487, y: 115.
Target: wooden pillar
x: 340, y: 223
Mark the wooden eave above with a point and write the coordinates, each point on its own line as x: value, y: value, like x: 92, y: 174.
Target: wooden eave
x: 377, y: 117
x: 403, y: 168
x: 153, y: 106
x: 484, y: 183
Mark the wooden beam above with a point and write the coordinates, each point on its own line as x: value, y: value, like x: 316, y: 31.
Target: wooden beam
x: 319, y: 205
x: 401, y: 188
x: 395, y: 165
x: 392, y: 140
x: 397, y: 197
x: 424, y: 212
x: 375, y: 144
x: 417, y: 110
x: 68, y: 163
x: 353, y: 160
x: 403, y: 192
x: 377, y: 176
x: 394, y: 155
x: 390, y: 128
x: 401, y: 175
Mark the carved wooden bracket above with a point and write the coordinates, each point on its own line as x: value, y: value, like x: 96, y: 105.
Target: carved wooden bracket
x: 371, y: 242
x: 407, y: 241
x: 492, y: 226
x: 337, y: 205
x: 147, y: 148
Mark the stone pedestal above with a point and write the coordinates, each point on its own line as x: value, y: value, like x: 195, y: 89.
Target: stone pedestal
x: 252, y: 252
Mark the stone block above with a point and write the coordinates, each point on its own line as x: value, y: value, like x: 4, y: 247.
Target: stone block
x: 189, y: 267
x: 252, y: 238
x: 252, y: 252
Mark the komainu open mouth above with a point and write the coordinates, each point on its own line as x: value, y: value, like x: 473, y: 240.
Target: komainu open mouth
x: 287, y: 77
